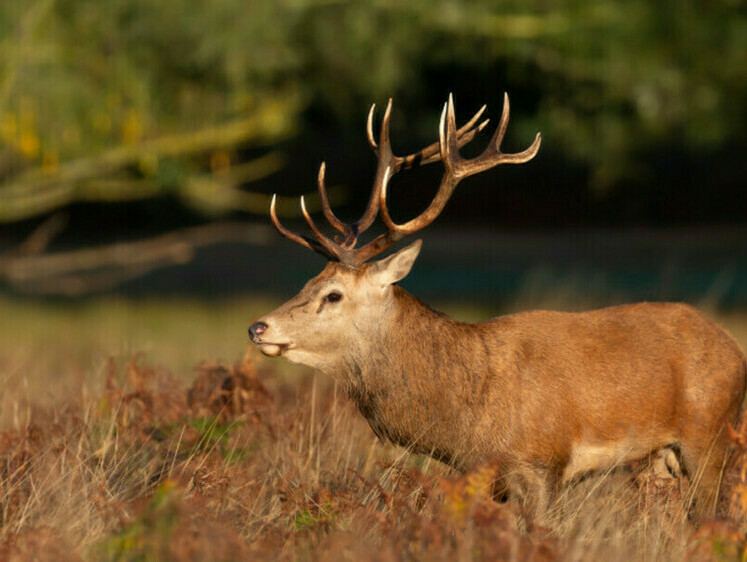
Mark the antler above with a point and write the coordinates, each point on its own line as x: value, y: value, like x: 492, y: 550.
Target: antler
x: 455, y: 169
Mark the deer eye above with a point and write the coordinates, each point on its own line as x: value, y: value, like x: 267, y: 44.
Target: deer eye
x: 334, y: 296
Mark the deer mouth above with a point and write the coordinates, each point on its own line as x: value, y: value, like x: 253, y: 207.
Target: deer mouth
x: 272, y: 349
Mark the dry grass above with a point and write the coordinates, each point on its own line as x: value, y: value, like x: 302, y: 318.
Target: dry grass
x: 242, y: 465
x: 249, y: 462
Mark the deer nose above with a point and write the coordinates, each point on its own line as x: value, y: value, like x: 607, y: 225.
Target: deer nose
x: 257, y: 329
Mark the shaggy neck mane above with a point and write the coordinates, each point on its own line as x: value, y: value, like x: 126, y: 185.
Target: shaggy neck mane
x: 419, y: 392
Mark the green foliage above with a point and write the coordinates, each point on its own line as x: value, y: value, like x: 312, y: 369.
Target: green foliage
x: 214, y: 436
x: 106, y: 102
x: 88, y: 75
x: 96, y: 97
x: 212, y: 433
x: 303, y: 520
x: 147, y: 537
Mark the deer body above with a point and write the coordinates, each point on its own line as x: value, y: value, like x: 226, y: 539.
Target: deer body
x: 551, y: 396
x: 546, y: 395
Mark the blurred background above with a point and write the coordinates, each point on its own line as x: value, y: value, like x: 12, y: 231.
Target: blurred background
x: 141, y: 140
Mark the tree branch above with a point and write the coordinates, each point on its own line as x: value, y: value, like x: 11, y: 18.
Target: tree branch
x: 79, y: 272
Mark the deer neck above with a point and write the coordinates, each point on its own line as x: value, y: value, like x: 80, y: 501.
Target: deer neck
x: 418, y: 378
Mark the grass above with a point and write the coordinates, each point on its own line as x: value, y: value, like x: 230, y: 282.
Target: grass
x: 114, y: 446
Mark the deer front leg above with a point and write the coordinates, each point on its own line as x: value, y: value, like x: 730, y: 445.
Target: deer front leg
x: 534, y: 490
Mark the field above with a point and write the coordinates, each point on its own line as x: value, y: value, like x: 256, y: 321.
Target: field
x: 146, y: 430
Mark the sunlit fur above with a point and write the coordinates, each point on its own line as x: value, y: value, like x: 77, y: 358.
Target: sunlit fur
x: 547, y: 395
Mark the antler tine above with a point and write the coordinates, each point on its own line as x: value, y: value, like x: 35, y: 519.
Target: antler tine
x: 524, y: 155
x: 500, y: 132
x: 384, y: 153
x: 431, y: 153
x: 336, y: 223
x: 369, y: 128
x: 384, y: 132
x: 303, y: 240
x: 395, y: 231
x: 495, y: 142
x: 492, y: 156
x: 384, y: 142
x: 447, y: 140
x: 330, y: 246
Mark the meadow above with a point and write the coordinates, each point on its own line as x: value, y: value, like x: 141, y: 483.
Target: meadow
x: 148, y: 430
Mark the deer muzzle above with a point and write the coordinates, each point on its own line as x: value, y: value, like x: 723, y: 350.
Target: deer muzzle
x: 267, y: 348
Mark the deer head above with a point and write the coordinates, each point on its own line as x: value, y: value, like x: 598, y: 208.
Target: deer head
x: 343, y: 307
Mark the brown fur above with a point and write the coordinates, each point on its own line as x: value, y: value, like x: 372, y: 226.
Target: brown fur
x: 549, y: 395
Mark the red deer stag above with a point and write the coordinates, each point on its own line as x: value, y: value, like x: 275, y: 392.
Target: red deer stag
x: 548, y: 395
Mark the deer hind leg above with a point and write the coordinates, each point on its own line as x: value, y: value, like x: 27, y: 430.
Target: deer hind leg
x: 703, y: 460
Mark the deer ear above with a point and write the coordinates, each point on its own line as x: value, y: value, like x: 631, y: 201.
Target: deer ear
x: 397, y: 266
